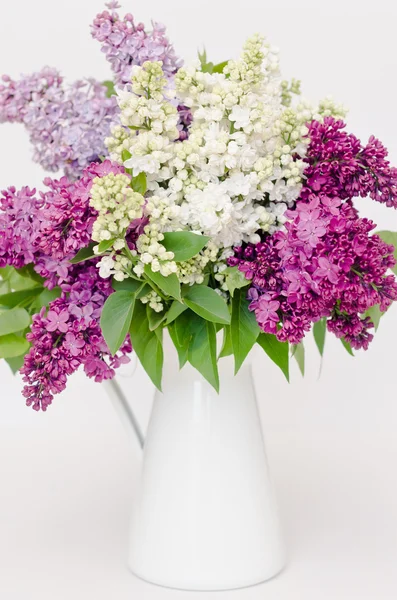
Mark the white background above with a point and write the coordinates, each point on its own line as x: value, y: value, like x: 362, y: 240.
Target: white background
x: 67, y: 477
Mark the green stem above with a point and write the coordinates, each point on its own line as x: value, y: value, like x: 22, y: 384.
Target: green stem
x: 129, y: 254
x: 156, y: 289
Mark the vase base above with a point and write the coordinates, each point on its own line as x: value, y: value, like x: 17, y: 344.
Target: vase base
x: 219, y: 587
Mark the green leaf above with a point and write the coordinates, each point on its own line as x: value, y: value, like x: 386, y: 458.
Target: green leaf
x: 227, y: 346
x: 5, y: 287
x: 175, y: 310
x: 105, y: 245
x: 169, y: 285
x: 15, y: 363
x: 209, y: 305
x: 21, y: 282
x: 375, y: 314
x: 181, y: 329
x: 390, y: 237
x: 5, y: 272
x: 277, y: 351
x: 234, y: 279
x: 13, y: 345
x: 319, y: 331
x: 147, y: 344
x: 298, y: 352
x: 155, y: 318
x: 202, y: 56
x: 116, y: 318
x: 46, y: 297
x: 28, y: 272
x: 139, y: 183
x: 184, y: 244
x: 15, y: 298
x: 84, y: 254
x: 219, y: 67
x: 143, y: 291
x: 127, y: 285
x: 12, y: 321
x: 347, y: 346
x: 181, y: 349
x: 244, y: 328
x: 125, y: 155
x: 202, y: 350
x: 110, y: 90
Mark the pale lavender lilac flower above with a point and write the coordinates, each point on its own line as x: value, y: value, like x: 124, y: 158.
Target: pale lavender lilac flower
x: 67, y: 124
x: 126, y: 43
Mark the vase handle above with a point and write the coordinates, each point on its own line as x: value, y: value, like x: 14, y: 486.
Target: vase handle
x: 123, y: 409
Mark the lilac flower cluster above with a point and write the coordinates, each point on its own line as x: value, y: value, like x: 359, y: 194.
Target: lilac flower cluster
x: 67, y: 124
x: 126, y: 43
x: 326, y: 263
x: 340, y: 166
x: 47, y: 231
x: 68, y: 336
x: 19, y: 212
x: 52, y: 226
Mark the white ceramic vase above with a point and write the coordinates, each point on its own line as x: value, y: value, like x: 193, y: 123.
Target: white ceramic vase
x: 204, y: 515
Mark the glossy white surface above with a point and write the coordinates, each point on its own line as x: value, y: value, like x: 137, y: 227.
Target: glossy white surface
x: 204, y: 516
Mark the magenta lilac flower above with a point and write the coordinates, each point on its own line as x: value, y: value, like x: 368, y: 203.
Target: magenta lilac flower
x: 47, y: 231
x: 325, y: 264
x: 339, y: 165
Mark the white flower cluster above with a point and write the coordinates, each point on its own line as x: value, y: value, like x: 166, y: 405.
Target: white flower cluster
x: 238, y: 170
x: 153, y: 300
x: 117, y: 265
x: 152, y: 252
x: 144, y: 109
x: 191, y: 271
x: 326, y: 108
x: 117, y: 205
x: 162, y: 215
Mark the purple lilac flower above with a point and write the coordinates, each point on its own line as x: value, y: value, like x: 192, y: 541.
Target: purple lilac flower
x: 50, y: 228
x: 48, y: 231
x: 57, y: 320
x: 66, y: 218
x: 18, y: 226
x: 340, y: 166
x: 326, y: 263
x: 295, y: 283
x: 67, y: 124
x: 126, y: 43
x: 63, y: 340
x: 185, y: 120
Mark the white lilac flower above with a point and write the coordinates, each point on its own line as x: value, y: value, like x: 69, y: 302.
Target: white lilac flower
x: 238, y: 170
x: 153, y: 300
x: 117, y: 206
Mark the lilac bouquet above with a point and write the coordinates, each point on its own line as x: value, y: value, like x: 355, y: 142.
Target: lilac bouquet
x: 198, y: 199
